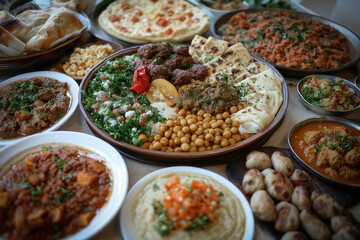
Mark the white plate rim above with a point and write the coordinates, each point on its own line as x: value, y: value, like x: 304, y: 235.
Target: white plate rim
x: 119, y: 172
x: 126, y: 210
x: 73, y: 89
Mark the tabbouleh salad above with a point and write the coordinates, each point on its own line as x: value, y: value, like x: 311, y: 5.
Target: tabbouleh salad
x: 124, y: 115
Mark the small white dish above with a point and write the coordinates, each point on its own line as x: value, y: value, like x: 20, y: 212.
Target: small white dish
x: 112, y: 159
x: 126, y: 215
x: 73, y: 91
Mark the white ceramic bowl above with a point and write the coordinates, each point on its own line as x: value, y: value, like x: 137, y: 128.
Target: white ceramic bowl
x: 73, y: 91
x: 126, y: 211
x: 112, y: 159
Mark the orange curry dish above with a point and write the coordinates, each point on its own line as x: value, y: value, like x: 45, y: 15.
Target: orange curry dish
x: 331, y: 148
x: 52, y: 193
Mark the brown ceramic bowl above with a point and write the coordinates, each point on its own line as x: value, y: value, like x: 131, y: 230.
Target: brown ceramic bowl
x: 352, y: 39
x: 155, y: 157
x: 58, y: 67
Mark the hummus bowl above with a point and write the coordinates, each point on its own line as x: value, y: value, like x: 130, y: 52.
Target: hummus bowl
x: 138, y: 219
x: 98, y: 149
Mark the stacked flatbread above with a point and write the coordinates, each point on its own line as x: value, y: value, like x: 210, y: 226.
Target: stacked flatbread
x: 36, y: 30
x: 260, y: 88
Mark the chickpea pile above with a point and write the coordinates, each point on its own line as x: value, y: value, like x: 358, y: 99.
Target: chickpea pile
x: 198, y: 132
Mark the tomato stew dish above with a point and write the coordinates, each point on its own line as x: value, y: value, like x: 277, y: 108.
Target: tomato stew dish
x: 52, y: 193
x: 282, y: 39
x: 30, y: 106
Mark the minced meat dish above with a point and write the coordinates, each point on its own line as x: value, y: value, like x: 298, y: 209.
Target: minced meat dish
x: 29, y: 106
x: 52, y: 193
x: 170, y: 62
x: 334, y: 148
x: 213, y: 98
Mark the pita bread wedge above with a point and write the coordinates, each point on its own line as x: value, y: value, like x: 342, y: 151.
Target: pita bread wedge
x: 195, y: 48
x: 269, y: 101
x: 256, y: 68
x: 252, y: 120
x: 5, y: 15
x: 214, y: 47
x: 217, y: 64
x: 237, y: 73
x: 10, y: 45
x: 265, y: 80
x: 237, y: 53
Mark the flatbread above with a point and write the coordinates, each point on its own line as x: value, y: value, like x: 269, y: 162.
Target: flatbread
x: 139, y: 21
x: 256, y: 68
x: 10, y: 45
x: 252, y: 120
x: 195, y: 49
x: 238, y: 54
x: 217, y: 64
x: 265, y: 80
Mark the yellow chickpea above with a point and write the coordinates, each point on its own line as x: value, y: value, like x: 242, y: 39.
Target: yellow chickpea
x: 207, y: 120
x: 151, y: 147
x: 207, y: 115
x: 214, y: 125
x: 232, y: 141
x: 194, y: 137
x: 145, y: 145
x: 193, y: 127
x: 174, y: 117
x: 193, y: 149
x: 184, y: 140
x: 151, y: 139
x: 188, y: 112
x: 182, y: 112
x: 142, y: 137
x: 233, y: 109
x: 225, y: 115
x: 199, y: 142
x: 185, y: 147
x: 220, y: 122
x: 218, y: 133
x: 188, y: 117
x: 190, y: 121
x: 180, y: 134
x: 219, y: 116
x: 228, y: 121
x: 224, y: 143
x: 157, y: 137
x: 200, y: 130
x: 217, y: 139
x: 208, y: 148
x: 234, y: 130
x: 179, y: 118
x: 214, y: 147
x: 213, y: 118
x: 164, y: 148
x: 177, y: 129
x: 168, y: 134
x: 157, y: 145
x: 170, y: 149
x: 212, y: 131
x: 202, y: 149
x: 206, y: 125
x: 177, y: 141
x: 188, y: 135
x: 173, y: 136
x: 237, y: 137
x: 178, y: 149
x: 202, y: 136
x: 206, y: 143
x: 227, y: 134
x: 199, y: 118
x: 200, y: 112
x: 183, y: 122
x: 185, y: 129
x: 236, y: 123
x: 163, y: 128
x: 227, y: 129
x: 171, y: 142
x: 224, y: 126
x: 176, y: 109
x: 209, y: 137
x: 164, y: 141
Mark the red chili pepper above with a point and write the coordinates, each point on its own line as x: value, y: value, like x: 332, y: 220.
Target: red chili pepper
x: 141, y: 80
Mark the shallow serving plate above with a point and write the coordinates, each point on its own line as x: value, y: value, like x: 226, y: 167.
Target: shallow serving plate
x: 352, y: 38
x: 36, y: 59
x: 325, y: 111
x: 127, y: 209
x: 73, y: 92
x: 214, y: 13
x: 153, y: 156
x: 112, y: 159
x: 59, y: 68
x: 304, y: 163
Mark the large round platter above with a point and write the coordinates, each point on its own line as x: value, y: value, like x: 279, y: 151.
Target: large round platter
x: 36, y: 59
x: 307, y: 165
x: 352, y: 38
x: 153, y: 156
x: 72, y: 91
x: 127, y: 210
x: 112, y: 159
